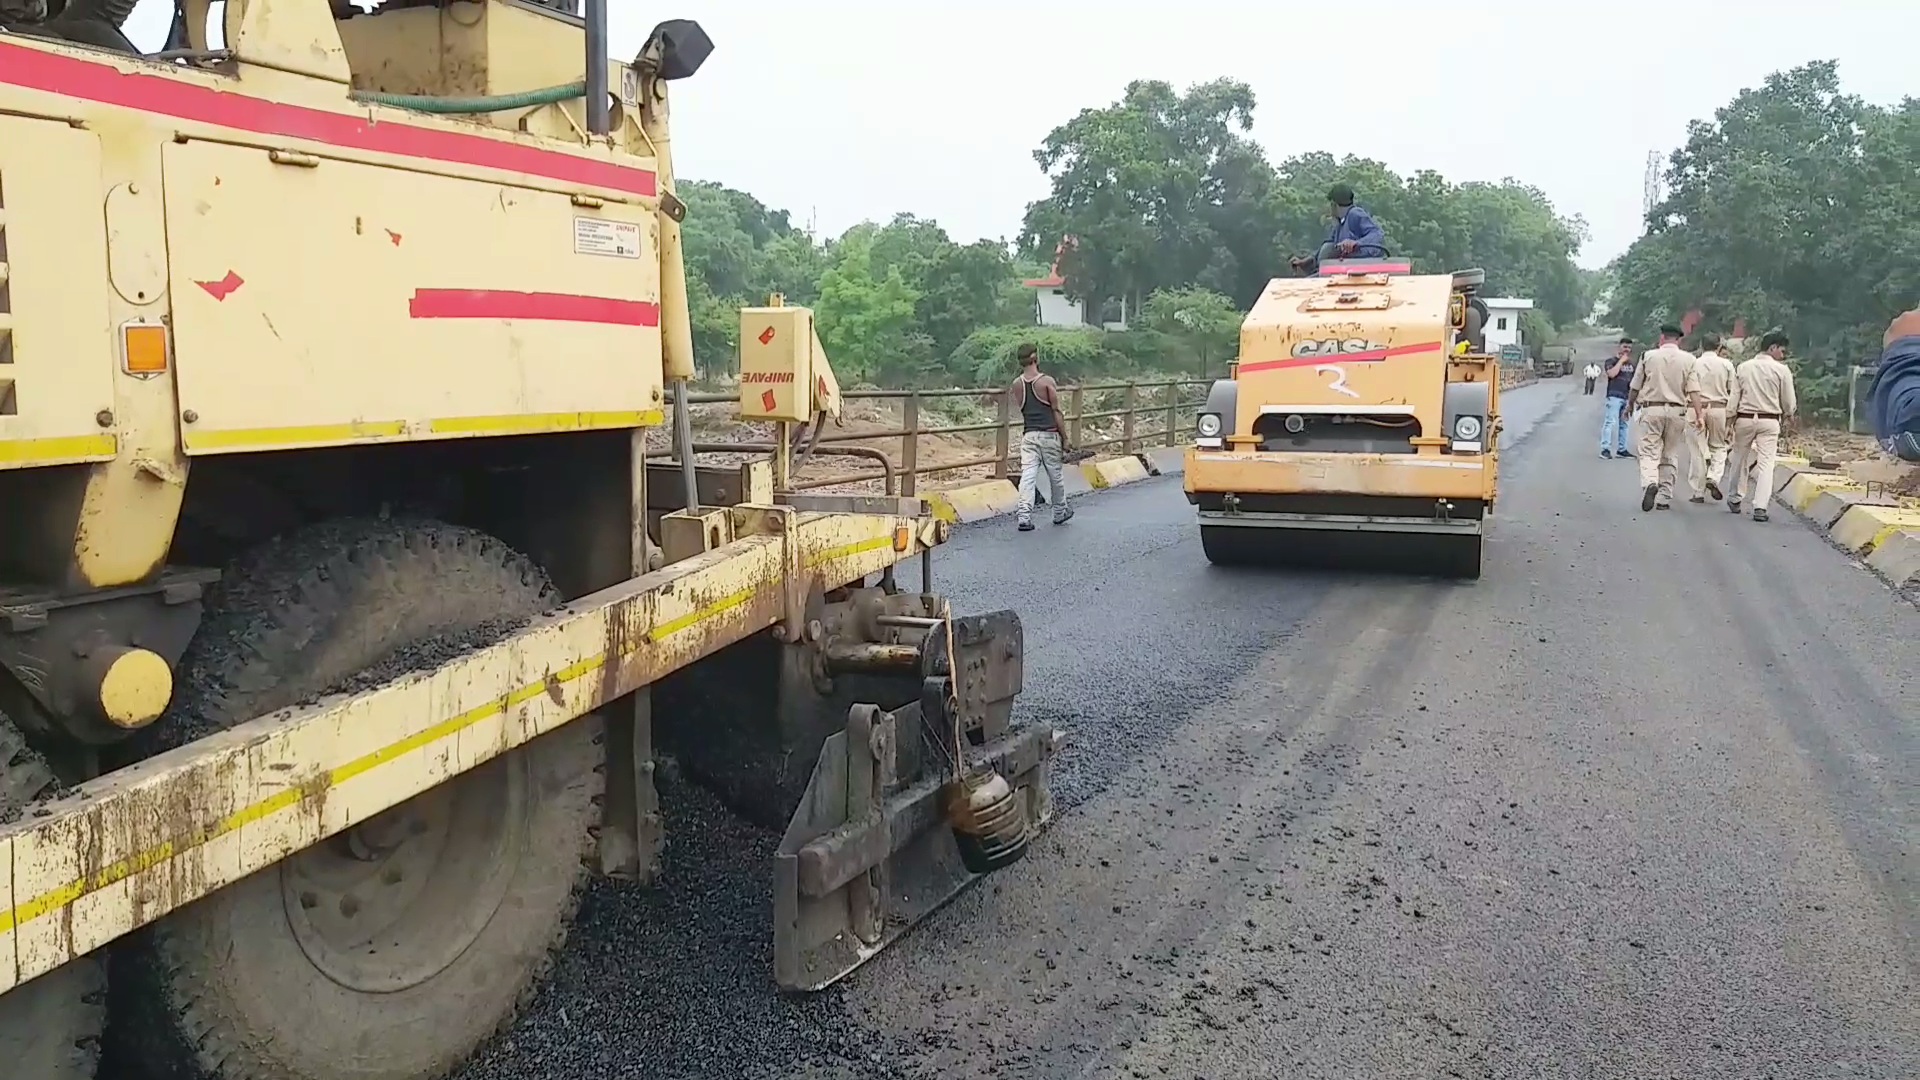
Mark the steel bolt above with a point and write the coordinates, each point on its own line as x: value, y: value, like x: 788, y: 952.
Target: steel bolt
x: 190, y: 416
x: 104, y: 418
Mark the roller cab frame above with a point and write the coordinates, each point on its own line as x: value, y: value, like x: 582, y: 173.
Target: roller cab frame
x: 1359, y: 427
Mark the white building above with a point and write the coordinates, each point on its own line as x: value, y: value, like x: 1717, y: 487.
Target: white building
x: 1052, y: 306
x: 1503, y: 322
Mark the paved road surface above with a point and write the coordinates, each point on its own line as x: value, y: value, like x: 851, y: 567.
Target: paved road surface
x: 1640, y: 803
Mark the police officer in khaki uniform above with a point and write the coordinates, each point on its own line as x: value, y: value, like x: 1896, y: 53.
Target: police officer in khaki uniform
x: 1658, y: 400
x: 1710, y: 432
x: 1763, y: 401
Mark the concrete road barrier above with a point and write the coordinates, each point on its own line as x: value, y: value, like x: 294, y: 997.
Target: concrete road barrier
x: 1897, y: 558
x: 1876, y: 527
x: 1827, y: 506
x: 1112, y: 472
x: 1162, y: 460
x: 974, y: 502
x: 1863, y: 528
x: 1804, y: 487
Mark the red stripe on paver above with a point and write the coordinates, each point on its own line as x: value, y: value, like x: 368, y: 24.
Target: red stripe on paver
x: 544, y: 307
x: 1369, y: 356
x: 54, y: 73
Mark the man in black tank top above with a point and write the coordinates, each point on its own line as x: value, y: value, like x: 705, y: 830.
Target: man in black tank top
x: 1042, y: 438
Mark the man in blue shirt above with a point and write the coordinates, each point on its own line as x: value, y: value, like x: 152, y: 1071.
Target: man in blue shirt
x: 1613, y: 425
x: 1896, y: 388
x: 1355, y: 234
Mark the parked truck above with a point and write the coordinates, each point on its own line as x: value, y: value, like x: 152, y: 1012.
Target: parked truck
x: 1360, y: 426
x: 343, y: 615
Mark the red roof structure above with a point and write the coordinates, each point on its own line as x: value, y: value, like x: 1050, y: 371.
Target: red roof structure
x: 1055, y: 280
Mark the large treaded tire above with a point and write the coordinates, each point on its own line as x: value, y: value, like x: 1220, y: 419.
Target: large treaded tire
x: 226, y: 988
x: 50, y: 1027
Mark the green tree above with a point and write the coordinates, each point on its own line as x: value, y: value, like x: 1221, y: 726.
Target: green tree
x: 737, y: 251
x: 959, y: 288
x: 1069, y: 353
x: 1162, y: 189
x: 1792, y: 207
x: 1165, y: 190
x: 1204, y: 323
x: 866, y: 315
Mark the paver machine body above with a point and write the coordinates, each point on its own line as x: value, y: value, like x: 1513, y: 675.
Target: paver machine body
x: 1359, y: 427
x: 341, y: 608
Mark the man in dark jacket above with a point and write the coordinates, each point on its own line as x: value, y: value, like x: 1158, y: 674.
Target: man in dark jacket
x: 1355, y: 235
x: 1896, y: 388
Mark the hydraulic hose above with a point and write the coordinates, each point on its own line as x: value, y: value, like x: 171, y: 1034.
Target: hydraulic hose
x: 430, y: 103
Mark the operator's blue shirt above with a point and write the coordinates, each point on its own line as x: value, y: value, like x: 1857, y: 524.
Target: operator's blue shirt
x: 1359, y: 227
x: 1896, y: 399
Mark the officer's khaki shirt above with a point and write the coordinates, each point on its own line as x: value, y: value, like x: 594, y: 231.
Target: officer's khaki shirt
x: 1712, y: 378
x: 1661, y: 378
x: 1762, y: 384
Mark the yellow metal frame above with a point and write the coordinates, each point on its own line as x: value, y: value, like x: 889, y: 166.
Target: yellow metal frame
x: 124, y: 850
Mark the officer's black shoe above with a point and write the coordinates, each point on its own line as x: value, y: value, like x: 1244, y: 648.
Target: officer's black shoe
x: 1759, y: 513
x: 1026, y: 526
x: 1647, y: 496
x: 1713, y: 489
x: 1606, y: 453
x: 1733, y: 505
x: 1697, y: 499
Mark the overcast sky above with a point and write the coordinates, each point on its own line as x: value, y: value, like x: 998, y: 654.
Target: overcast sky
x: 841, y: 111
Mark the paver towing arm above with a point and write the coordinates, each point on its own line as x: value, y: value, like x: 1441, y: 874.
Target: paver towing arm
x: 354, y: 614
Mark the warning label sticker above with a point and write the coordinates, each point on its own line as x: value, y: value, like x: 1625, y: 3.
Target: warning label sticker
x: 609, y: 239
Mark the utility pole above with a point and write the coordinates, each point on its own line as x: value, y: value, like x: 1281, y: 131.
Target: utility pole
x: 1653, y: 187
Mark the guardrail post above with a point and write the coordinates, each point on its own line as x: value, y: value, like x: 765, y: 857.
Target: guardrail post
x: 1000, y: 436
x: 1074, y: 409
x: 910, y: 443
x: 1173, y: 409
x: 1126, y: 422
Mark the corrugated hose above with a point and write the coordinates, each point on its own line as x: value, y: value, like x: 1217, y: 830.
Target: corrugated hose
x: 431, y: 103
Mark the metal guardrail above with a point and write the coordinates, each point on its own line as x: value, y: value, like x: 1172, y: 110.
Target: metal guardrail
x: 1153, y: 413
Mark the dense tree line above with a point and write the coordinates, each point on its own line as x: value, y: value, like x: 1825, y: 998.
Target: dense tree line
x: 1793, y: 208
x: 1179, y: 220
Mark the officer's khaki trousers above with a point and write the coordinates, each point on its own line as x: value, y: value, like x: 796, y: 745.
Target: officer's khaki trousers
x: 1707, y: 447
x: 1662, y: 430
x: 1756, y: 443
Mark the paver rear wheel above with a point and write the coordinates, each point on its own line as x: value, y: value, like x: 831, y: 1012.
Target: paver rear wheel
x: 391, y: 951
x: 49, y: 1027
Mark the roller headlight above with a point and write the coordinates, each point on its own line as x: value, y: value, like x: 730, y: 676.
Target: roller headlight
x: 1466, y: 428
x: 1209, y: 425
